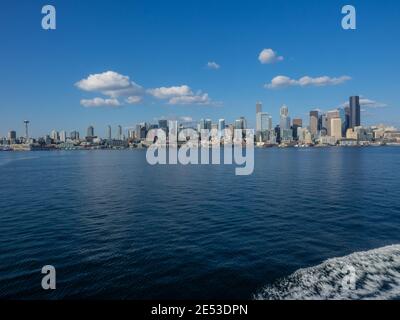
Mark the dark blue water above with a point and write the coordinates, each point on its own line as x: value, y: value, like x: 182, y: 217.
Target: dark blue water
x: 116, y: 227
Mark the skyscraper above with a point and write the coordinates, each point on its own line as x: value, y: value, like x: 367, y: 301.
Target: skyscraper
x: 355, y: 112
x: 90, y: 132
x: 297, y: 123
x: 284, y: 111
x: 263, y: 122
x: 12, y: 136
x: 284, y: 122
x: 119, y: 133
x: 240, y: 123
x: 221, y: 127
x: 336, y: 128
x: 74, y: 135
x: 314, y: 117
x: 163, y: 124
x: 63, y: 136
x: 333, y: 114
x: 347, y: 117
x: 54, y: 135
x: 109, y: 135
x: 258, y: 107
x: 26, y: 122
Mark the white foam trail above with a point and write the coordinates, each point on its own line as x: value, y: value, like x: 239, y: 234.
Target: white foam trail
x: 377, y: 276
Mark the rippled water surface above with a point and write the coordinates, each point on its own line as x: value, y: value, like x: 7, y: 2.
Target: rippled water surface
x: 115, y: 227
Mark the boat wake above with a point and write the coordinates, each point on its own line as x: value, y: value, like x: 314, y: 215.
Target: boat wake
x: 372, y: 274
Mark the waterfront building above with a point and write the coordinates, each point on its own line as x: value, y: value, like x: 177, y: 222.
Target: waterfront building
x: 351, y: 134
x: 286, y: 135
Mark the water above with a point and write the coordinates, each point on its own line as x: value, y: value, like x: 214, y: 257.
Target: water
x: 115, y: 227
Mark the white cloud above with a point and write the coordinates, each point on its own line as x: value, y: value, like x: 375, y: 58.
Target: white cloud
x: 269, y: 56
x: 100, y: 102
x: 182, y: 95
x: 283, y: 81
x: 168, y: 92
x: 114, y: 85
x: 109, y: 83
x: 213, y: 65
x: 133, y: 99
x: 368, y: 103
x: 200, y: 98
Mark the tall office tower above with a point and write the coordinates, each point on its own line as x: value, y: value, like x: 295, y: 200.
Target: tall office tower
x: 90, y: 132
x: 208, y: 124
x: 314, y: 118
x: 26, y: 122
x: 221, y: 127
x: 278, y: 134
x: 347, y: 117
x: 137, y: 131
x: 240, y: 124
x: 12, y: 136
x: 284, y: 111
x: 54, y: 135
x: 331, y: 115
x: 108, y: 133
x: 258, y: 107
x: 131, y: 134
x: 63, y: 136
x: 173, y: 130
x: 355, y: 112
x: 163, y: 124
x: 323, y: 124
x: 202, y: 124
x: 244, y: 122
x: 263, y: 122
x: 297, y: 123
x: 342, y: 116
x: 119, y: 133
x: 284, y: 122
x: 336, y: 128
x: 74, y: 135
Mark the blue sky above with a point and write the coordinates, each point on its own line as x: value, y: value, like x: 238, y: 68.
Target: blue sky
x: 167, y: 45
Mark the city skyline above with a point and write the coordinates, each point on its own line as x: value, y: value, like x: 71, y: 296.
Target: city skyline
x: 216, y: 66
